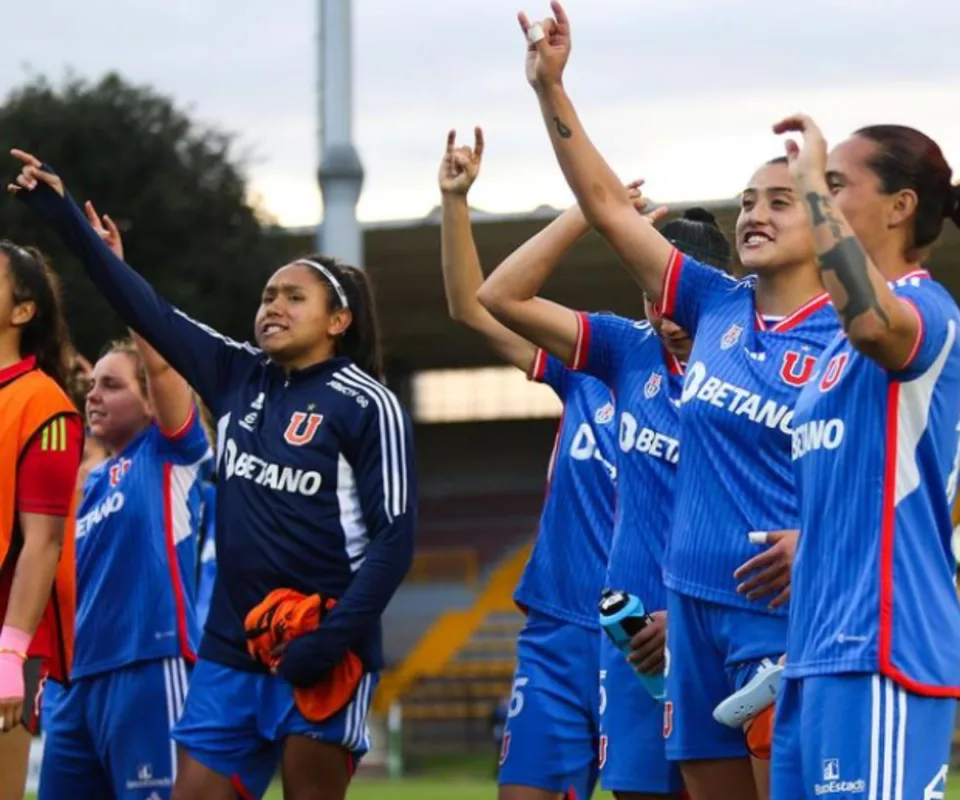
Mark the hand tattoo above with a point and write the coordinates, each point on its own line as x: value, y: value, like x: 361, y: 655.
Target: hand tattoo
x: 847, y: 261
x: 562, y: 130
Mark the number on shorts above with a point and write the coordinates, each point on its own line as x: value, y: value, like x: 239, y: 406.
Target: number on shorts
x: 602, y: 760
x: 516, y: 697
x: 667, y: 719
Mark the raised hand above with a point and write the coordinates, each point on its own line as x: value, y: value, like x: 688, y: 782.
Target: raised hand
x: 106, y: 229
x: 548, y: 47
x: 31, y: 173
x: 640, y: 203
x: 810, y: 160
x: 461, y: 165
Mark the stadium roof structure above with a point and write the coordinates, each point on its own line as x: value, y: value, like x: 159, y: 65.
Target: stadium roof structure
x: 403, y: 258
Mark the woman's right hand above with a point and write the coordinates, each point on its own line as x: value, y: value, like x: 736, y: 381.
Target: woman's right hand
x: 31, y: 173
x: 106, y: 229
x: 461, y: 165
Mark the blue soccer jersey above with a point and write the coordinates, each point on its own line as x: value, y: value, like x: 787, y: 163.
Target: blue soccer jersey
x: 742, y: 382
x: 565, y: 575
x: 646, y: 382
x: 136, y: 552
x: 876, y: 457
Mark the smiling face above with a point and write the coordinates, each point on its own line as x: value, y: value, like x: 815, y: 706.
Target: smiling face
x: 295, y: 324
x: 772, y: 230
x: 117, y: 408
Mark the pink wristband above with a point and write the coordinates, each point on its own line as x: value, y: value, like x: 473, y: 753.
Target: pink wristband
x: 14, y: 639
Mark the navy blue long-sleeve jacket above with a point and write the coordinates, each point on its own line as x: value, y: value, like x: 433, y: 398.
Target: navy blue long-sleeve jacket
x: 316, y: 478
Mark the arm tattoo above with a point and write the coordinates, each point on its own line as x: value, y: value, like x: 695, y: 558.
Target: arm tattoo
x: 848, y: 262
x: 562, y: 130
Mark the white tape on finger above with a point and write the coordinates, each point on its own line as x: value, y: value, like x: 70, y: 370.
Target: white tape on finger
x: 758, y: 537
x: 535, y: 33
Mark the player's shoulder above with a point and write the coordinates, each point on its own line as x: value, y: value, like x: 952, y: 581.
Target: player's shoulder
x: 920, y: 286
x: 359, y: 396
x: 586, y: 388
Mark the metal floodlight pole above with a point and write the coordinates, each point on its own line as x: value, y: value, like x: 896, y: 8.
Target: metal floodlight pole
x: 340, y: 173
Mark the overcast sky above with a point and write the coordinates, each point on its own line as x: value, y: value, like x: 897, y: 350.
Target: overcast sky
x: 680, y: 92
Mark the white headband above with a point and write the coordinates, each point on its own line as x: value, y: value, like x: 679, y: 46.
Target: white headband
x: 341, y: 295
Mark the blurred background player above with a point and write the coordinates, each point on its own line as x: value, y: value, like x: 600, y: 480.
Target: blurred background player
x: 551, y: 737
x: 873, y: 660
x: 642, y: 363
x: 755, y: 344
x: 41, y: 437
x: 137, y: 631
x: 316, y: 495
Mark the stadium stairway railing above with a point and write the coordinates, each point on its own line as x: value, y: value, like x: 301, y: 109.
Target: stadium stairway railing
x: 453, y: 633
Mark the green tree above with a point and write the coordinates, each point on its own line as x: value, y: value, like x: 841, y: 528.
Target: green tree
x: 173, y: 186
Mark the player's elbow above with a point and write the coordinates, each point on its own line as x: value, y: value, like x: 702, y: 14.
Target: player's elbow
x: 879, y: 339
x: 606, y: 211
x: 493, y: 299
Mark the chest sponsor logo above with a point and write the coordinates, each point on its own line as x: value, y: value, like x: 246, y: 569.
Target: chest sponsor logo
x: 818, y: 434
x: 634, y: 436
x: 106, y: 508
x: 731, y: 337
x: 281, y: 478
x: 736, y: 400
x: 797, y: 368
x: 652, y: 386
x: 584, y: 448
x: 302, y: 428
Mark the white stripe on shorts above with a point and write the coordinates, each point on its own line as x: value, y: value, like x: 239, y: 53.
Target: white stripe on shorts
x: 889, y: 701
x: 175, y: 683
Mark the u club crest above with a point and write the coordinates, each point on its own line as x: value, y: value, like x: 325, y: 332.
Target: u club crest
x: 652, y: 386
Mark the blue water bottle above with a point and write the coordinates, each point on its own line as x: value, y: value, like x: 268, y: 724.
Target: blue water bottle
x: 622, y: 616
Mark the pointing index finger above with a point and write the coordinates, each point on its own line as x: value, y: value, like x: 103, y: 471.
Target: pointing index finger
x: 26, y: 157
x: 478, y: 143
x: 795, y: 122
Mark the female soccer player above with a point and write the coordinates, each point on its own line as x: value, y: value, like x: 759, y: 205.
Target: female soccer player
x: 41, y: 436
x: 756, y: 342
x: 873, y: 656
x: 550, y: 740
x: 108, y: 732
x: 316, y: 493
x: 643, y: 364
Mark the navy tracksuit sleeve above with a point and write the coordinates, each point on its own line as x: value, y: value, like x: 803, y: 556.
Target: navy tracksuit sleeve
x: 206, y: 359
x: 385, y: 471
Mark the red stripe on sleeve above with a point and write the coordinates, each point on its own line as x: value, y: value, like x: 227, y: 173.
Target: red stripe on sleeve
x: 539, y: 366
x: 671, y: 282
x: 919, y: 340
x: 581, y: 350
x: 47, y: 475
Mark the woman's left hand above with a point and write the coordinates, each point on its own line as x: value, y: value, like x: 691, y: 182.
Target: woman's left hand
x: 31, y: 175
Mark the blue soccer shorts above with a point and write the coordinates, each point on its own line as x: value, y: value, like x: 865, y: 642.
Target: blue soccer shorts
x: 552, y: 731
x: 859, y: 736
x: 712, y: 652
x: 234, y: 723
x: 109, y: 735
x: 632, y: 748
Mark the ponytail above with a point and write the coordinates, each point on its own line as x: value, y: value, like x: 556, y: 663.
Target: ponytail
x: 44, y: 336
x: 953, y: 206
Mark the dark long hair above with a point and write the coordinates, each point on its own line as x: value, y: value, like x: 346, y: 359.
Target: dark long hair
x: 361, y: 341
x: 697, y: 235
x: 45, y: 336
x: 909, y: 159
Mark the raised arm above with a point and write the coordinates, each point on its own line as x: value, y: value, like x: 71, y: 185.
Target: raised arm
x: 879, y: 324
x: 205, y: 358
x: 171, y: 398
x: 599, y: 192
x: 462, y: 274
